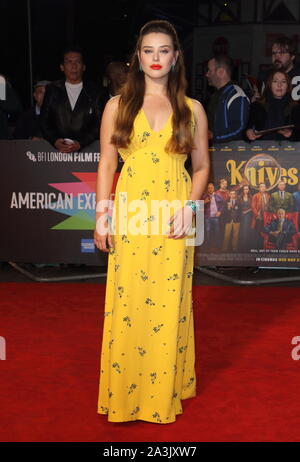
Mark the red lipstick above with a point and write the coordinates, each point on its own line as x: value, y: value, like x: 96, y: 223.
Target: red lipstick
x: 156, y: 66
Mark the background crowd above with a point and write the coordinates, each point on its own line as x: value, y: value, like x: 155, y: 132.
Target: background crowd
x: 67, y: 112
x: 240, y: 219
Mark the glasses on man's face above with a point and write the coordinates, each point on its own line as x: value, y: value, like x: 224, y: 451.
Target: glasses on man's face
x: 280, y: 52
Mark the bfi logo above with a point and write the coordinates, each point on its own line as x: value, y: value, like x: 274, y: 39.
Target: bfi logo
x: 2, y: 88
x: 2, y: 348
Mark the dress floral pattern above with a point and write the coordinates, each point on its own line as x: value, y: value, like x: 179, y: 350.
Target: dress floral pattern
x: 147, y: 358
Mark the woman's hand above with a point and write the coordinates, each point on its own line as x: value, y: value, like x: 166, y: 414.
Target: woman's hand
x: 102, y: 236
x: 181, y: 223
x: 286, y: 132
x: 251, y: 134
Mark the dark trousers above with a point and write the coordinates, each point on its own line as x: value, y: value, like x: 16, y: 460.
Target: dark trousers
x: 212, y: 232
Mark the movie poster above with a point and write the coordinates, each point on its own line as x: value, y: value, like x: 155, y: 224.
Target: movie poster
x: 252, y: 205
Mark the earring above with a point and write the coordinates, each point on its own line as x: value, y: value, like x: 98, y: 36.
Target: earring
x: 173, y: 67
x: 140, y: 68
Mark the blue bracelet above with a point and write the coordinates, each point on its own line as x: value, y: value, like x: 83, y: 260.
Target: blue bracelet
x: 192, y: 205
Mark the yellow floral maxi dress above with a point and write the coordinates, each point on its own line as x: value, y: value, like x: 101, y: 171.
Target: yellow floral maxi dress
x: 147, y: 359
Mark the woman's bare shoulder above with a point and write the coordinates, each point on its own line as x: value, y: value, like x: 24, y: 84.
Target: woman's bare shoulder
x: 113, y: 103
x: 197, y: 106
x: 111, y: 108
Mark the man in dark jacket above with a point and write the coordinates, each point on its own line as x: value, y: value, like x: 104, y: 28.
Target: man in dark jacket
x: 71, y: 111
x: 281, y: 199
x: 9, y: 105
x: 228, y: 108
x: 280, y: 230
x: 28, y: 124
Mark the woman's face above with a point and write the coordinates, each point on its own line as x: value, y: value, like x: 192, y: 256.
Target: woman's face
x: 279, y: 85
x: 157, y: 54
x: 246, y: 189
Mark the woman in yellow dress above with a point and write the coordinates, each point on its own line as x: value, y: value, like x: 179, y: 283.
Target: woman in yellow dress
x: 148, y: 356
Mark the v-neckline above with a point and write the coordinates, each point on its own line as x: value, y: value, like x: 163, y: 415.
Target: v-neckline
x: 148, y: 123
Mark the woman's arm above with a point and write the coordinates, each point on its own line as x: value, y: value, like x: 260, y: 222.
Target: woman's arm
x: 199, y: 155
x: 106, y: 170
x: 182, y: 219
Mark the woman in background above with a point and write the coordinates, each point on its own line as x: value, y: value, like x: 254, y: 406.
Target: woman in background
x: 275, y: 109
x: 246, y: 232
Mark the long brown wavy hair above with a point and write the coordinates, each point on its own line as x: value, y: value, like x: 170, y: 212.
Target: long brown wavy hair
x: 132, y: 96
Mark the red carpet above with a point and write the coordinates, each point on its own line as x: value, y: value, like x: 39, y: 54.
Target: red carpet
x: 248, y: 383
